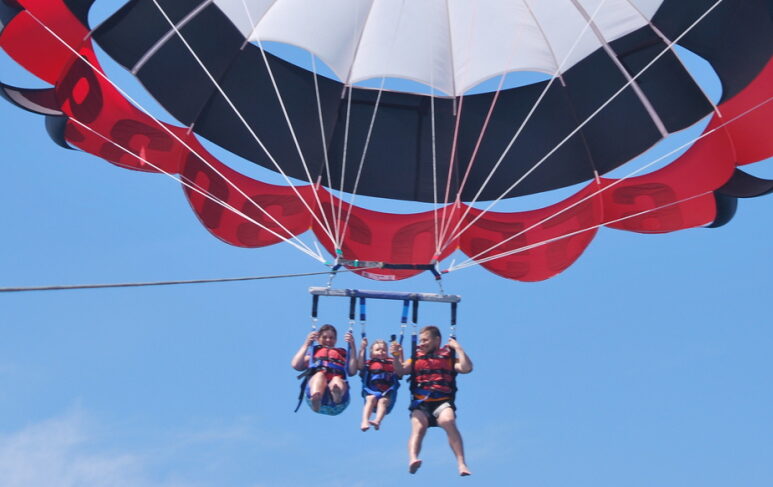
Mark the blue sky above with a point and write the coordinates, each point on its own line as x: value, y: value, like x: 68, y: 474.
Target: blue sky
x: 646, y: 363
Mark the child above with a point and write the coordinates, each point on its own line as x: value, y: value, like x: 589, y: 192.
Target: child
x: 380, y: 380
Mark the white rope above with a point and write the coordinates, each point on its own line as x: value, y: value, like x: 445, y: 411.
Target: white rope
x: 486, y: 121
x: 336, y: 222
x: 199, y: 190
x: 347, y: 82
x: 390, y: 52
x: 326, y: 225
x: 194, y: 187
x: 556, y: 75
x: 454, y: 144
x: 445, y: 222
x: 340, y: 236
x: 666, y: 40
x: 436, y: 226
x: 254, y: 30
x: 579, y: 127
x: 71, y: 287
x: 362, y: 159
x: 165, y: 128
x: 645, y: 102
x: 434, y: 172
x: 242, y: 119
x: 571, y: 234
x: 618, y: 181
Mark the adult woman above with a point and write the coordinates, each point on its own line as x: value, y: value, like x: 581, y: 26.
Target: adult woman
x: 327, y: 367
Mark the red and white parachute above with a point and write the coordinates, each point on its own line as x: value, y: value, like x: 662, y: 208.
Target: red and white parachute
x: 614, y: 87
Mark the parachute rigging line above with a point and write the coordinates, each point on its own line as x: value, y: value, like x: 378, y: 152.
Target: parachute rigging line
x: 239, y: 115
x: 390, y: 52
x: 454, y: 144
x: 170, y: 132
x: 535, y: 106
x: 254, y: 25
x: 480, y: 136
x: 161, y: 283
x: 436, y: 227
x: 305, y: 249
x: 578, y: 128
x: 667, y: 41
x: 343, y: 165
x: 643, y: 99
x: 362, y: 161
x: 455, y: 140
x: 339, y: 237
x: 576, y: 232
x: 612, y: 185
x: 328, y: 230
x: 336, y: 223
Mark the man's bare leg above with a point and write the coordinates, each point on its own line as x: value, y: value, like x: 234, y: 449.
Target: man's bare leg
x: 317, y: 385
x: 447, y: 421
x: 370, y: 399
x: 419, y: 424
x: 381, y: 408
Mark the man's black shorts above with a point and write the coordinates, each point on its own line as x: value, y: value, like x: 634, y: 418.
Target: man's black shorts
x: 432, y: 409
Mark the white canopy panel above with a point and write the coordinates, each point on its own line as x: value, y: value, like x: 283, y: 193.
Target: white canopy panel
x: 451, y: 45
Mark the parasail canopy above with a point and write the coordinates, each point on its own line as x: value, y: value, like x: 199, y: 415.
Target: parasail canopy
x: 616, y: 87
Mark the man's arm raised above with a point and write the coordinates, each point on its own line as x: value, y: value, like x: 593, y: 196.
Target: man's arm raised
x: 463, y: 363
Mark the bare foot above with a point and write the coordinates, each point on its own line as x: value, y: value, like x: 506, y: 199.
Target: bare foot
x: 464, y: 471
x: 316, y: 403
x: 336, y: 395
x: 414, y: 466
x: 365, y: 427
x: 375, y: 424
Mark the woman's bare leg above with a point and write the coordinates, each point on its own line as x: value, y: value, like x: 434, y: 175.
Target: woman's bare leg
x: 338, y: 388
x: 317, y: 385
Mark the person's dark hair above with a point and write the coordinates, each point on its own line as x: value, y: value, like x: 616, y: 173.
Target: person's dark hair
x: 328, y: 327
x: 432, y: 330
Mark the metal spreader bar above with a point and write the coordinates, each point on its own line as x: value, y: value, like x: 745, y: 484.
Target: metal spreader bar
x: 401, y: 296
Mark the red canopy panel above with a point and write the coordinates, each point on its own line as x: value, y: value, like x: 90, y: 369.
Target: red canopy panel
x: 752, y: 134
x: 263, y: 214
x: 382, y: 237
x: 114, y: 125
x: 34, y: 47
x: 706, y: 166
x: 531, y: 261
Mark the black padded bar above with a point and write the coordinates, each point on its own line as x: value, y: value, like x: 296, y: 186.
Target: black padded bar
x: 352, y: 305
x: 314, y: 306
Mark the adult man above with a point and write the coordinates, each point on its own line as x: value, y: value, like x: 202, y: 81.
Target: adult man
x: 433, y: 388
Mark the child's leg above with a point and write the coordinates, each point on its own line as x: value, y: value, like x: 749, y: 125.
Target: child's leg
x: 337, y: 388
x: 381, y: 409
x: 366, y: 411
x: 317, y: 385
